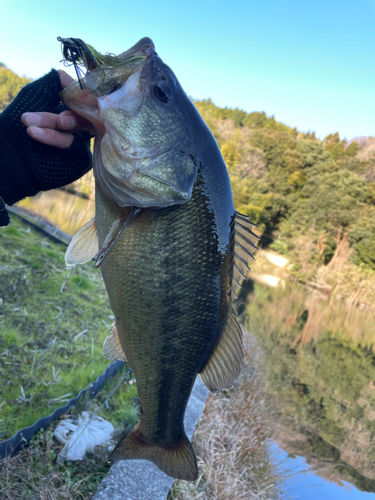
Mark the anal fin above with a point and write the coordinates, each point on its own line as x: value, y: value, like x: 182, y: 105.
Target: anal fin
x: 112, y: 347
x: 225, y: 361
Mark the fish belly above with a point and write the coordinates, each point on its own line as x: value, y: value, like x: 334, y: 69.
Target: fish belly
x: 168, y: 290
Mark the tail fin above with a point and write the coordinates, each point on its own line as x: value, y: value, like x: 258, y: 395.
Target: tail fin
x: 176, y: 460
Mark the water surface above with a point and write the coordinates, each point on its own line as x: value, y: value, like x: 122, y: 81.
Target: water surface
x: 320, y: 366
x: 304, y: 484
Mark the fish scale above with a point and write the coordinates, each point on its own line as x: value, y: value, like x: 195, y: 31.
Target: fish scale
x: 155, y: 293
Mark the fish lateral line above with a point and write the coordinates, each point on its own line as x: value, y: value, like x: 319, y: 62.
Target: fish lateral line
x: 116, y: 230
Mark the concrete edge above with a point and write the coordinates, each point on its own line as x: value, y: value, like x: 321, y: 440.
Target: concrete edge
x: 141, y: 479
x: 40, y: 225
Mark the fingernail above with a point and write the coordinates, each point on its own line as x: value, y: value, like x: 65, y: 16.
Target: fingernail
x: 68, y: 121
x: 32, y: 118
x: 37, y: 131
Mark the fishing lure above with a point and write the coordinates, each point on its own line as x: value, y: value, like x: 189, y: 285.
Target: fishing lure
x: 79, y: 54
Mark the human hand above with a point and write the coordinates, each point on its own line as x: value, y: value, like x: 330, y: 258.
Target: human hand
x: 28, y: 166
x: 53, y: 129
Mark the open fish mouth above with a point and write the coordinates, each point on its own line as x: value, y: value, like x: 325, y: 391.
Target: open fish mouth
x: 93, y: 92
x: 143, y: 151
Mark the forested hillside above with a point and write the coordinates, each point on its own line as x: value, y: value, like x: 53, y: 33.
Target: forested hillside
x: 314, y: 200
x: 291, y: 183
x: 310, y: 197
x: 10, y: 85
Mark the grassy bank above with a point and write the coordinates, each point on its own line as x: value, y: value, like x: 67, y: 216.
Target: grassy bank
x: 35, y: 290
x: 34, y: 473
x: 68, y: 213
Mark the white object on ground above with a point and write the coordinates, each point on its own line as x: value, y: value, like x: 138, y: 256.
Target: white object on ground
x: 83, y: 435
x: 277, y: 260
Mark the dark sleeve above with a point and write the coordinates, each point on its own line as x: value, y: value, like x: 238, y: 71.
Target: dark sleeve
x: 28, y: 166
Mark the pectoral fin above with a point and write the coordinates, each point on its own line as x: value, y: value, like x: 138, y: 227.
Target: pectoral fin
x: 84, y: 245
x: 116, y: 229
x: 225, y: 362
x: 112, y: 347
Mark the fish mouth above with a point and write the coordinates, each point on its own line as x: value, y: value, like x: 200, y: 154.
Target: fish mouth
x: 102, y: 83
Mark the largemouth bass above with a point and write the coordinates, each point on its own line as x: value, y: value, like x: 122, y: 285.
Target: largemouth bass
x: 172, y: 248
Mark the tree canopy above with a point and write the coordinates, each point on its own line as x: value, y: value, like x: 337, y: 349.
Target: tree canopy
x: 291, y: 183
x: 10, y: 85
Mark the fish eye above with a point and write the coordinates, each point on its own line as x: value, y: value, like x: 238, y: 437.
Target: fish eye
x: 162, y: 92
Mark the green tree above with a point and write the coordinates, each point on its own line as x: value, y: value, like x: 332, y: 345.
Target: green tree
x: 10, y: 85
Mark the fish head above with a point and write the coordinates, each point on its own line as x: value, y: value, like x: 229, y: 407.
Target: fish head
x: 144, y: 148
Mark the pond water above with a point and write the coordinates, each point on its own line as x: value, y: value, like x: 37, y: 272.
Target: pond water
x: 320, y: 367
x: 304, y: 484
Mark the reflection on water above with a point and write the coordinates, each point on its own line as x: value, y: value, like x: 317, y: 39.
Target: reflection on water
x: 321, y: 379
x: 66, y: 211
x: 302, y: 483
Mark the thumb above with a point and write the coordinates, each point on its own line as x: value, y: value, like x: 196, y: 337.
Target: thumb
x: 65, y: 79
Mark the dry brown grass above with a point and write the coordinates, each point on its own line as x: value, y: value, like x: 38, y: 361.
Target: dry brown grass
x: 34, y: 474
x: 232, y: 441
x: 25, y: 475
x: 31, y: 475
x: 338, y: 298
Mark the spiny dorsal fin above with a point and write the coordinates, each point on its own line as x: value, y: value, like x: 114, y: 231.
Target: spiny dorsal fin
x: 112, y: 347
x: 84, y: 245
x: 225, y: 362
x: 244, y: 247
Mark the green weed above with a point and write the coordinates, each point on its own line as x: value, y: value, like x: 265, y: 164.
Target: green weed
x: 11, y: 231
x: 35, y: 289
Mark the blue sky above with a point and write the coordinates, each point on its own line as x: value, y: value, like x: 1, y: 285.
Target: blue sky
x: 310, y: 63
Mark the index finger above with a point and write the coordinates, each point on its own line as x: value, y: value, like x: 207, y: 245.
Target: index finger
x: 66, y: 121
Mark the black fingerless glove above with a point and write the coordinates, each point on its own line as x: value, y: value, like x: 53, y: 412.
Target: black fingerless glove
x: 28, y: 166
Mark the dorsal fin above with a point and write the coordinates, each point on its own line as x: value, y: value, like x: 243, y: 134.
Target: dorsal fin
x: 112, y: 347
x: 84, y: 245
x: 225, y: 361
x: 244, y: 248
